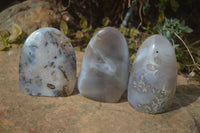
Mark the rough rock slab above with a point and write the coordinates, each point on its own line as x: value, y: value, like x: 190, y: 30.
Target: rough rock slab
x: 29, y: 15
x: 20, y: 113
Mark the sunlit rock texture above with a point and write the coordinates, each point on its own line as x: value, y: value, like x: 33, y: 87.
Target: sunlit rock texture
x: 47, y: 64
x: 152, y: 82
x: 104, y: 72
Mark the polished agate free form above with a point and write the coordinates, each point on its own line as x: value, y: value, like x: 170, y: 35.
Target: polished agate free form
x: 47, y: 64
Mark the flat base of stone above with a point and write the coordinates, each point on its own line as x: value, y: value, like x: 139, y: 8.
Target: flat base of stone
x: 103, y: 100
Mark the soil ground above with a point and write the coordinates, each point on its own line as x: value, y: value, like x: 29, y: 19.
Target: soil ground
x: 20, y: 113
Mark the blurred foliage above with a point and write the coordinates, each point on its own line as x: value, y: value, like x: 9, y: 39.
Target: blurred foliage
x: 16, y: 31
x: 106, y: 21
x: 83, y: 23
x: 4, y: 40
x: 15, y: 35
x: 172, y: 25
x: 147, y: 17
x: 132, y: 36
x: 64, y: 27
x: 163, y: 5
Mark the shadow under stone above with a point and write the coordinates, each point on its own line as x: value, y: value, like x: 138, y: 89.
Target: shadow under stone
x: 75, y: 91
x: 184, y: 96
x: 124, y: 97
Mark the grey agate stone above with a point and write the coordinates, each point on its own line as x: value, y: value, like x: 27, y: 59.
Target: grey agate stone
x: 105, y: 67
x: 152, y: 82
x: 47, y: 64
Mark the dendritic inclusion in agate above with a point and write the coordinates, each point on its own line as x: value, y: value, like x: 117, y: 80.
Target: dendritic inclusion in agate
x: 105, y: 67
x: 47, y: 64
x: 152, y: 82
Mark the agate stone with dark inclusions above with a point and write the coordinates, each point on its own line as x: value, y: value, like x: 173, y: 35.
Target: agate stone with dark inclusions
x: 152, y: 82
x: 47, y: 64
x: 105, y: 67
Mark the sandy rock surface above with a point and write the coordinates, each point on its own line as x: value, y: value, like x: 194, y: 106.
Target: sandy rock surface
x: 29, y: 15
x: 20, y: 113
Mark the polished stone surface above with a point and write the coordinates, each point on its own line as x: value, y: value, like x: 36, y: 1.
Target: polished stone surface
x: 105, y: 68
x: 152, y: 82
x: 47, y: 64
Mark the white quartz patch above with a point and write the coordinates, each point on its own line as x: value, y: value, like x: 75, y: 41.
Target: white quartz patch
x: 47, y: 64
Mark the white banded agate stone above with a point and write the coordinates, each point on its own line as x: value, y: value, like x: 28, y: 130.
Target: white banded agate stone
x: 152, y: 82
x: 105, y: 67
x: 47, y: 64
